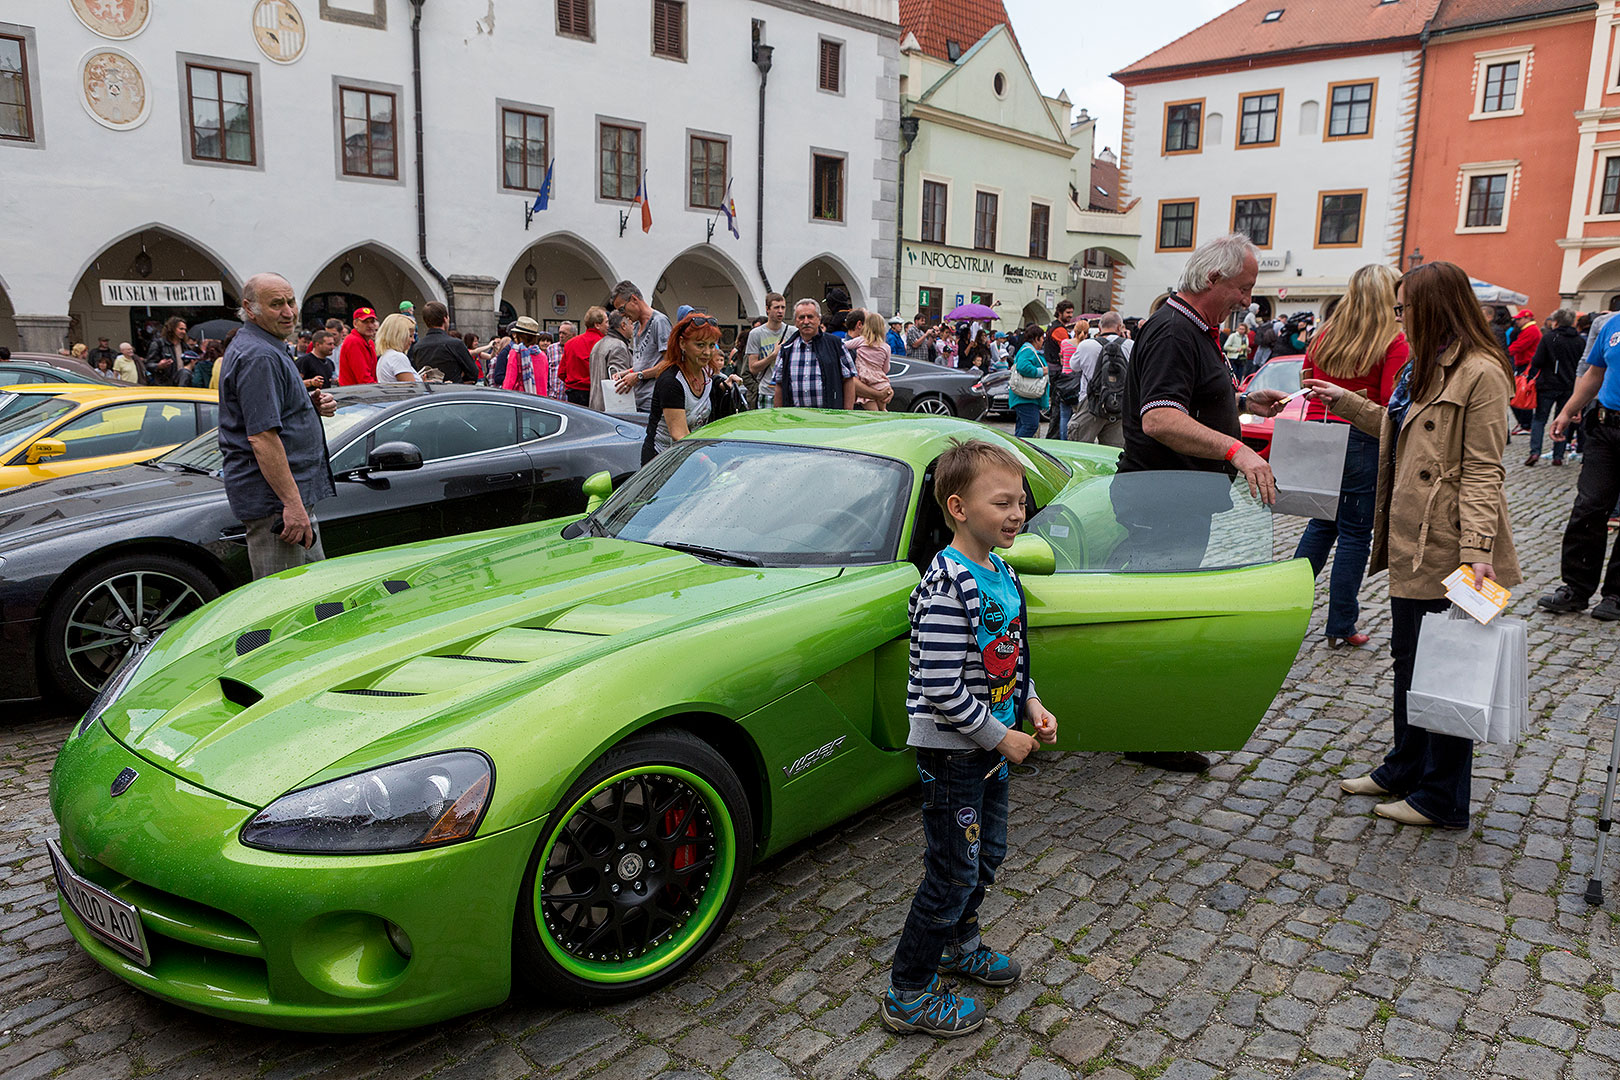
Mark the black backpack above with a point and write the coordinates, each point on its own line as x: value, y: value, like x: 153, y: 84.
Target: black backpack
x: 1105, y: 392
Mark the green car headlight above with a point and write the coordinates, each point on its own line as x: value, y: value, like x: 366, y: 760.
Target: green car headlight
x: 409, y: 805
x: 116, y: 683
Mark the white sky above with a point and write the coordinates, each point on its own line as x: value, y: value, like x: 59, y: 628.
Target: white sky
x: 1075, y: 45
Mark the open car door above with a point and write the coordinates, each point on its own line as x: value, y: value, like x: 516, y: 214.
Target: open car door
x: 1164, y: 623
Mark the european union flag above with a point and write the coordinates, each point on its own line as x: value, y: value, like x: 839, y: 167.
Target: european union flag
x: 543, y: 200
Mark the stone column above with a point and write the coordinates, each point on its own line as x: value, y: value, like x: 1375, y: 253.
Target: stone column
x: 475, y: 304
x: 42, y: 333
x: 886, y: 171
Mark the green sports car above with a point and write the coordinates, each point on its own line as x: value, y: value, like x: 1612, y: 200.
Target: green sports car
x: 365, y: 794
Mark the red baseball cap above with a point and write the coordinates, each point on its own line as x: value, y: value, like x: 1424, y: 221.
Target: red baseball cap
x: 364, y: 313
x: 1525, y: 313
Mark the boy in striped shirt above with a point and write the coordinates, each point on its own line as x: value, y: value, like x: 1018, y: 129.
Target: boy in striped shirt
x: 969, y: 683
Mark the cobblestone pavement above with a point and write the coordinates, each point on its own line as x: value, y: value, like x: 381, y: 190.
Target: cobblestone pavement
x: 1250, y: 922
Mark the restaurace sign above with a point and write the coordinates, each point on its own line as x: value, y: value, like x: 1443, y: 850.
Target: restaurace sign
x: 162, y: 293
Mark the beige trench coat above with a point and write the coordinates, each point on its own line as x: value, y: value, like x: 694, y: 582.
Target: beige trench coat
x: 1440, y: 501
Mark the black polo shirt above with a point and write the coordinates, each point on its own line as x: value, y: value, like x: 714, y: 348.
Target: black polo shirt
x: 1177, y: 364
x: 311, y: 366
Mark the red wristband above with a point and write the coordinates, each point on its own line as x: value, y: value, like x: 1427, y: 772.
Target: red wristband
x: 1231, y: 451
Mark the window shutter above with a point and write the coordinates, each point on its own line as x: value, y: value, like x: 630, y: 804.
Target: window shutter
x: 667, y: 28
x: 831, y: 56
x: 574, y: 17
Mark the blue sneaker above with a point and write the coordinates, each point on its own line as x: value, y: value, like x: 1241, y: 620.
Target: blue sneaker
x: 983, y: 965
x: 932, y: 1011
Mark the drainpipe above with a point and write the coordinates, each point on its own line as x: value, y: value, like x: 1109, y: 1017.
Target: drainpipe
x: 762, y: 60
x: 421, y: 183
x: 1411, y: 156
x: 908, y: 135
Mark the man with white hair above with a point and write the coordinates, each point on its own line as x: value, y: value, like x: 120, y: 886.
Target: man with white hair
x: 1181, y: 415
x: 274, y: 465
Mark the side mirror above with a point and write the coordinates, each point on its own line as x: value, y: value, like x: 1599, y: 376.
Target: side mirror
x: 598, y: 486
x: 1031, y: 554
x: 45, y: 448
x: 394, y: 457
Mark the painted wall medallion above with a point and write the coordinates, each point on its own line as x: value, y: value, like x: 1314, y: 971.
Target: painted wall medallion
x: 119, y: 20
x: 114, y: 89
x: 278, y: 29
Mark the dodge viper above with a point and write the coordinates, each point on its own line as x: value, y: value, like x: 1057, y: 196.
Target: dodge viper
x: 372, y: 792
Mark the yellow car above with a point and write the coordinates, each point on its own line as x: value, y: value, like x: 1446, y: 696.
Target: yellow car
x: 49, y: 430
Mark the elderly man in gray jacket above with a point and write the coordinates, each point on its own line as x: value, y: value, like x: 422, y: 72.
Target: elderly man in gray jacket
x: 610, y: 356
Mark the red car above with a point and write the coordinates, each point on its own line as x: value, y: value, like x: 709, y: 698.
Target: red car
x: 1279, y: 373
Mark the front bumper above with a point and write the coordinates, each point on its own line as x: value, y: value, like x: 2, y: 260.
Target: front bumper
x: 286, y: 941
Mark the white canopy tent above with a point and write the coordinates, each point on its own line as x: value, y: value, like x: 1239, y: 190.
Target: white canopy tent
x: 1487, y: 293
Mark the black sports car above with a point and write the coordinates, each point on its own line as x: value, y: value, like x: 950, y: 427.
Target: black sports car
x: 91, y: 564
x: 922, y: 387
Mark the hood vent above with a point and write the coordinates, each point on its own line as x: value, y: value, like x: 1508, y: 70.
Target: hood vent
x: 482, y: 659
x: 239, y: 693
x: 251, y: 640
x: 396, y: 586
x: 379, y: 693
x: 326, y: 611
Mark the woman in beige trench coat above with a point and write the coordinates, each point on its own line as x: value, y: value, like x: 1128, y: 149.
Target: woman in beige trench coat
x: 1440, y: 505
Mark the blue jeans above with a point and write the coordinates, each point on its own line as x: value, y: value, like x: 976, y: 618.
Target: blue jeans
x: 1062, y: 411
x: 1433, y: 771
x: 1027, y: 419
x: 965, y: 833
x: 1547, y: 405
x: 1353, y: 531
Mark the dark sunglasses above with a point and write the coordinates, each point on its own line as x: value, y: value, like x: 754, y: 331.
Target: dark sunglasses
x: 702, y: 320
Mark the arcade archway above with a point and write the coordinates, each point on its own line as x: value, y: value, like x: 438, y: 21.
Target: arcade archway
x: 555, y: 280
x: 818, y: 278
x: 707, y: 279
x: 365, y: 275
x: 197, y: 284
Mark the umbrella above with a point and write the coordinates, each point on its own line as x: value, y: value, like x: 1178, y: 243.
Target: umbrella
x: 1486, y: 293
x: 213, y: 328
x: 971, y: 311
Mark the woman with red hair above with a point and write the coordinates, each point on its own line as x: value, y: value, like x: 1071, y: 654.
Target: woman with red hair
x: 688, y: 392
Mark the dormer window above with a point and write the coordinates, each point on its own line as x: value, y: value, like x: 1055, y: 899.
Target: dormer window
x: 1273, y: 16
x: 953, y: 49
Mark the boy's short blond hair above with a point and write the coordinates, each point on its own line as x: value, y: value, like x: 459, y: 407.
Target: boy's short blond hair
x: 964, y: 463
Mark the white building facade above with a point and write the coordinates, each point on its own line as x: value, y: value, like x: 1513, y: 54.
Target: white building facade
x: 1307, y: 153
x: 995, y: 205
x: 155, y: 153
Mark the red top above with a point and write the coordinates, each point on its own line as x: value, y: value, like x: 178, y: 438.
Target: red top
x: 574, y: 369
x: 1376, y: 385
x: 1523, y: 346
x: 357, y: 360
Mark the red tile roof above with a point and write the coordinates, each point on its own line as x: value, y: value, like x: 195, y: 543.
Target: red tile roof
x: 1458, y: 14
x: 1104, y: 185
x: 963, y: 21
x: 1304, y: 25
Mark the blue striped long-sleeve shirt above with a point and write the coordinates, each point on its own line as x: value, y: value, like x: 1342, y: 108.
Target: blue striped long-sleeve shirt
x: 948, y: 692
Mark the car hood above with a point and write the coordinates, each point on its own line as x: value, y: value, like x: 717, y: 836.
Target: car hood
x: 459, y: 630
x: 50, y: 507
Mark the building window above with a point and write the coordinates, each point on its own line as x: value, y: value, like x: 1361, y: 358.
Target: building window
x: 574, y: 18
x: 621, y: 162
x: 933, y: 212
x: 830, y: 73
x: 706, y: 186
x: 1338, y: 221
x: 16, y: 106
x: 1183, y: 127
x: 369, y: 133
x: 669, y: 29
x: 1487, y: 196
x: 1501, y: 87
x: 985, y: 205
x: 1257, y: 125
x: 1178, y: 223
x: 1251, y: 216
x: 1350, y: 110
x: 221, y: 117
x: 524, y: 135
x: 827, y: 197
x: 1610, y: 201
x: 1040, y: 229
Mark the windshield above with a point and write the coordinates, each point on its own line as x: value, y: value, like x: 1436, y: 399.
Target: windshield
x: 1156, y: 522
x: 203, y: 451
x: 780, y: 505
x: 1277, y: 375
x: 22, y: 419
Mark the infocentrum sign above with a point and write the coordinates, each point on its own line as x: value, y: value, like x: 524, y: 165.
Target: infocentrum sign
x: 162, y: 293
x: 987, y: 265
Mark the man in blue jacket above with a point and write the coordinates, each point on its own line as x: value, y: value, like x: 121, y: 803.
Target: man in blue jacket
x: 897, y: 340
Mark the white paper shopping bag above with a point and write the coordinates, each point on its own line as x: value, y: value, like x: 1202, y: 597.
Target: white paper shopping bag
x: 1307, y: 459
x: 1510, y: 703
x: 615, y: 402
x: 1461, y: 672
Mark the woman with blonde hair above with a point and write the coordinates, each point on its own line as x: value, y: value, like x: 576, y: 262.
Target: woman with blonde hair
x: 1440, y: 505
x: 870, y: 344
x: 394, y: 339
x: 1360, y: 347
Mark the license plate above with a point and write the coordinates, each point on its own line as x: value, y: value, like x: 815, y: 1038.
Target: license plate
x: 115, y: 921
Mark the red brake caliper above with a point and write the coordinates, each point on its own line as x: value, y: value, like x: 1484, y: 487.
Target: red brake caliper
x: 686, y: 854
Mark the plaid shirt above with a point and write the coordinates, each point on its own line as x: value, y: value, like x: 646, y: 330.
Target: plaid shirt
x: 802, y: 370
x: 553, y: 358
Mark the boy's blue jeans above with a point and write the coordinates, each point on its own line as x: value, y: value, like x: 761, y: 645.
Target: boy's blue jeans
x: 965, y: 830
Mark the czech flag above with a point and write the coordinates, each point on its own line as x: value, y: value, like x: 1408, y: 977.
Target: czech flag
x: 543, y: 200
x: 729, y: 208
x: 642, y: 200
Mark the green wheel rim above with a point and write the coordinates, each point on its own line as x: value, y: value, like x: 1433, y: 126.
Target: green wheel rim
x: 602, y: 912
